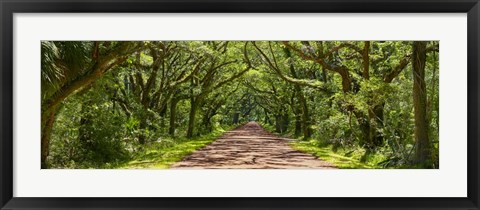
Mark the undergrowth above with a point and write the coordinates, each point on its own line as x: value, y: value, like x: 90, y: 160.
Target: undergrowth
x: 164, y: 153
x: 342, y: 158
x: 345, y: 158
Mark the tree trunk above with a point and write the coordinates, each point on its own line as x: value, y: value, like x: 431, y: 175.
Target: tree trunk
x: 191, y: 117
x: 298, y: 124
x: 432, y: 103
x: 278, y: 123
x: 371, y: 136
x: 163, y: 114
x: 236, y: 117
x: 207, y: 124
x: 378, y: 114
x: 298, y: 117
x: 173, y: 116
x: 47, y: 125
x: 366, y: 60
x: 366, y: 129
x: 307, y: 130
x: 281, y: 123
x: 143, y: 124
x: 422, y: 142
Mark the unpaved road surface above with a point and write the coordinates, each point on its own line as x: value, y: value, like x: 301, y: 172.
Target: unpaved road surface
x: 250, y: 147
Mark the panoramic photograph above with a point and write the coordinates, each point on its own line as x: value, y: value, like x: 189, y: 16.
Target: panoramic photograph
x: 240, y: 104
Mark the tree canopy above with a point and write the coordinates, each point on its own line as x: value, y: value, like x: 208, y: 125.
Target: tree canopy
x: 104, y: 102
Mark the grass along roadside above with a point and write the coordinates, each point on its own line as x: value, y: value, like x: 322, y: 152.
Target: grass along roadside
x: 344, y: 159
x: 341, y: 158
x: 162, y: 156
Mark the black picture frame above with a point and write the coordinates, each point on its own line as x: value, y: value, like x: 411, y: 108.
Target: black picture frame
x: 9, y: 7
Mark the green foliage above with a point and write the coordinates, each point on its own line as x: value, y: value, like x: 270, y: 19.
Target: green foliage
x: 167, y: 151
x: 62, y: 62
x: 336, y: 130
x: 92, y: 133
x: 342, y: 158
x: 350, y: 101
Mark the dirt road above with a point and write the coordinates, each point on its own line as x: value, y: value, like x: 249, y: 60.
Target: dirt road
x: 250, y: 147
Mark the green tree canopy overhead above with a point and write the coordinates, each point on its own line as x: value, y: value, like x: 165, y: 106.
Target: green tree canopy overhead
x: 103, y: 101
